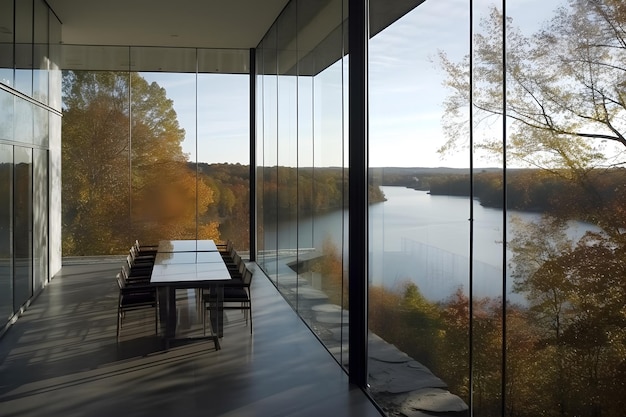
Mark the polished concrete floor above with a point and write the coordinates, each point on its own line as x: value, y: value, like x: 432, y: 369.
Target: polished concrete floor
x: 61, y: 358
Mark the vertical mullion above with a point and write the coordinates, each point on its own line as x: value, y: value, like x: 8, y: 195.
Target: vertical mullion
x: 358, y: 38
x: 252, y: 175
x: 504, y: 210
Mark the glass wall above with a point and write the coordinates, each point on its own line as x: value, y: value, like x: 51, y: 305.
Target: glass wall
x: 6, y: 43
x: 6, y: 232
x: 40, y: 218
x: 302, y: 178
x: 26, y: 89
x: 419, y: 278
x: 496, y: 259
x: 175, y: 141
x: 23, y: 47
x: 22, y: 225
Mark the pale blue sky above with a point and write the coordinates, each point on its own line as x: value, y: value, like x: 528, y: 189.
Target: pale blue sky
x: 406, y: 90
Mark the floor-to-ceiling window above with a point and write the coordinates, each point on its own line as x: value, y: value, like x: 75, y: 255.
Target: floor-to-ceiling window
x: 22, y: 225
x: 6, y: 232
x: 496, y: 136
x: 302, y: 182
x: 29, y: 94
x: 172, y: 126
x: 419, y: 243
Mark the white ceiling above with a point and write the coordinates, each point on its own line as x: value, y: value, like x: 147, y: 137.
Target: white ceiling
x: 180, y: 23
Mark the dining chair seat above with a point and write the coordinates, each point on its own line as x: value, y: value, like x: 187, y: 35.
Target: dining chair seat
x: 135, y: 297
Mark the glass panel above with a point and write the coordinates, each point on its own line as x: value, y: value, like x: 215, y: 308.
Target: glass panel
x: 565, y: 231
x: 287, y: 137
x: 224, y: 155
x: 40, y: 218
x: 164, y: 186
x: 489, y: 225
x: 327, y: 215
x: 147, y: 59
x: 22, y: 226
x: 94, y: 58
x: 24, y: 47
x: 224, y: 61
x: 270, y: 149
x: 6, y: 232
x: 420, y: 202
x: 7, y: 120
x: 24, y: 121
x: 260, y: 148
x: 95, y: 160
x: 6, y: 42
x: 54, y: 99
x: 41, y: 63
x: 306, y: 247
x: 40, y: 126
x: 55, y: 194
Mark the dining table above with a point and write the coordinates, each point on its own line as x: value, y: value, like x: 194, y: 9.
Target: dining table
x: 189, y: 264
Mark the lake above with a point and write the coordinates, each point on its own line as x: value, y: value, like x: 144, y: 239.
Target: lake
x: 417, y: 237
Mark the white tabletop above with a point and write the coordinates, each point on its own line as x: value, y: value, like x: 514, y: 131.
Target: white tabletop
x: 171, y: 258
x: 192, y: 245
x: 188, y: 263
x: 189, y: 273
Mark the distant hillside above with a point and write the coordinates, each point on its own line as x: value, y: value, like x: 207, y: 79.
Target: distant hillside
x: 418, y: 177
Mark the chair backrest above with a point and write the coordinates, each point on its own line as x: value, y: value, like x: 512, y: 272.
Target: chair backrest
x: 237, y: 260
x: 120, y: 281
x: 242, y: 267
x: 231, y: 250
x: 247, y: 277
x: 130, y: 261
x: 133, y: 252
x: 125, y: 271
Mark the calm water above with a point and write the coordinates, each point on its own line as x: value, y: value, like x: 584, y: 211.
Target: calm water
x: 424, y: 239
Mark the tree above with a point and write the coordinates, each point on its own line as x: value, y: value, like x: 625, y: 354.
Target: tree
x: 125, y: 176
x: 566, y: 114
x: 564, y: 86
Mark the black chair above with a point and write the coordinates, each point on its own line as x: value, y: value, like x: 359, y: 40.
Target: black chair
x: 137, y: 278
x: 144, y: 259
x: 133, y: 298
x: 236, y: 297
x: 145, y: 249
x: 138, y: 267
x: 227, y: 251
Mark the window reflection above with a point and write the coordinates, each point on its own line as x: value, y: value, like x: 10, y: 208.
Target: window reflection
x: 150, y: 175
x: 24, y: 47
x: 6, y: 43
x: 7, y: 103
x: 41, y: 52
x: 6, y: 231
x: 302, y: 183
x: 40, y: 218
x: 165, y: 193
x: 419, y: 234
x: 22, y: 225
x: 544, y: 265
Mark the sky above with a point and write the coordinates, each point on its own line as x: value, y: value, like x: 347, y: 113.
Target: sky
x: 406, y: 90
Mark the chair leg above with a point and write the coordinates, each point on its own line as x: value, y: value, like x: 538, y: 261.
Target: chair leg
x: 250, y: 312
x: 204, y: 319
x: 244, y: 311
x: 119, y: 323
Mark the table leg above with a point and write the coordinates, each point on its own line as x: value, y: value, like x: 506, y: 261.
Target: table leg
x: 167, y: 309
x: 217, y: 311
